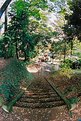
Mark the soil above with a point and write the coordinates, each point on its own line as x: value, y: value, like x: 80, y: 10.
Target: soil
x: 46, y: 114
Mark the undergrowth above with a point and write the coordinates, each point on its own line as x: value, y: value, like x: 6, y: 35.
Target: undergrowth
x: 12, y: 76
x: 63, y: 72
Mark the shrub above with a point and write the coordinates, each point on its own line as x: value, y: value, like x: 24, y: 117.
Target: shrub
x: 63, y: 74
x: 8, y: 90
x: 67, y: 63
x: 66, y: 72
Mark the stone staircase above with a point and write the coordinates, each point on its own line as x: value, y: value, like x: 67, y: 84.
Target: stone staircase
x: 40, y: 95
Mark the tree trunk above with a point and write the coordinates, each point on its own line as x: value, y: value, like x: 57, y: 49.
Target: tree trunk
x: 71, y: 47
x: 64, y: 50
x: 25, y: 56
x: 6, y: 20
x: 17, y: 51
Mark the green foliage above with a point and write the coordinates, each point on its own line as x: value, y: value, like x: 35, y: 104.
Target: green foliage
x: 55, y: 47
x: 66, y: 72
x: 39, y: 4
x: 66, y: 68
x: 73, y: 100
x: 53, y: 0
x: 7, y: 90
x: 67, y: 63
x: 19, y: 38
x: 73, y: 20
x: 12, y: 76
x: 17, y: 7
x: 16, y: 71
x: 70, y: 31
x: 79, y: 61
x: 59, y: 47
x: 6, y: 47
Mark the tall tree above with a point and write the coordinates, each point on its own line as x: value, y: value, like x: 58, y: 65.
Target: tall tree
x: 18, y: 33
x: 72, y: 28
x: 74, y: 19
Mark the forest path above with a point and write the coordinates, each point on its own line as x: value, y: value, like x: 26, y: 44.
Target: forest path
x: 41, y: 114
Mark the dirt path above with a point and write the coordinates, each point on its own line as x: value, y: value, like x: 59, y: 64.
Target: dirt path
x: 51, y: 114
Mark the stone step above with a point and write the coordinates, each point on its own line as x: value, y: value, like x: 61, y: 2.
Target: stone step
x: 39, y: 105
x: 42, y: 100
x: 40, y: 90
x: 39, y: 93
x: 39, y: 96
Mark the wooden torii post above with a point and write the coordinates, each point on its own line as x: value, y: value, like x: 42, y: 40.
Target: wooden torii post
x: 4, y: 9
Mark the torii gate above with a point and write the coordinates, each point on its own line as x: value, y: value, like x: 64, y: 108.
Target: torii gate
x: 4, y: 9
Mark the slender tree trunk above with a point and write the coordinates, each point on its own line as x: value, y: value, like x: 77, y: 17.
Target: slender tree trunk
x: 64, y: 50
x: 71, y: 47
x: 5, y: 54
x: 6, y: 20
x: 25, y: 55
x: 17, y: 50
